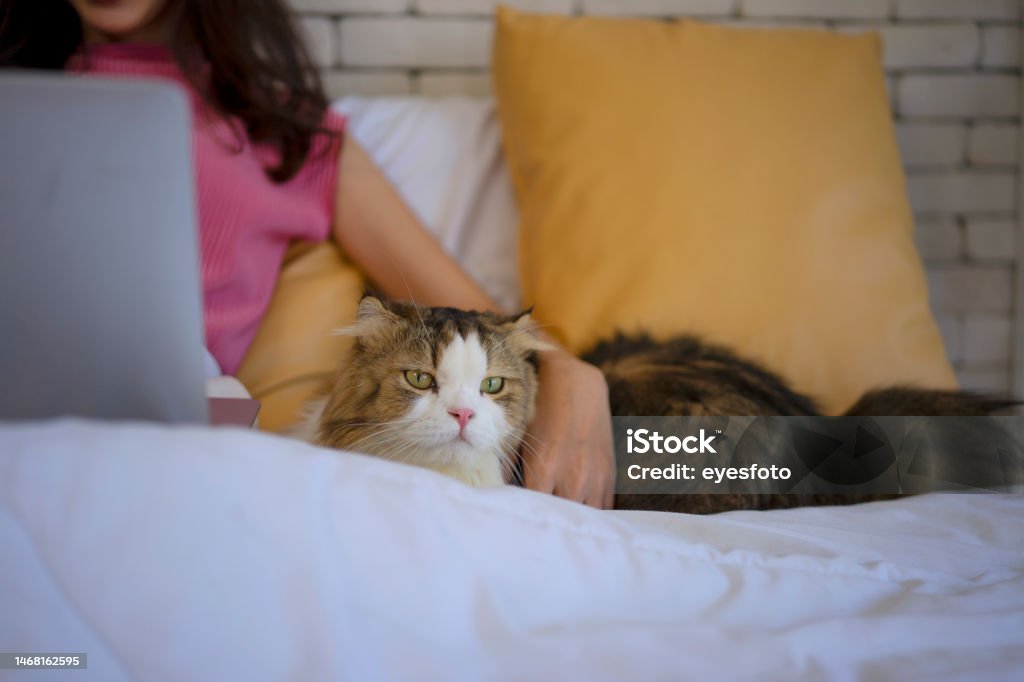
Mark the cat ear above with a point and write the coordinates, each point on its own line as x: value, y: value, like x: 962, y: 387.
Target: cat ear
x: 371, y: 307
x: 371, y: 316
x: 525, y: 334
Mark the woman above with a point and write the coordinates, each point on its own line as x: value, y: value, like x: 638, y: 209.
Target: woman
x: 272, y: 165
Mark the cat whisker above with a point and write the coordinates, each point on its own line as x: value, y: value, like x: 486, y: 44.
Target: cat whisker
x: 389, y: 445
x: 529, y: 436
x: 376, y: 430
x: 511, y: 453
x: 407, y: 453
x: 383, y: 434
x: 528, y: 449
x: 508, y: 456
x: 357, y: 424
x: 412, y: 298
x: 386, y: 444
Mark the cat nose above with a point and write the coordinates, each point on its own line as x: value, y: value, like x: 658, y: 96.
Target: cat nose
x: 463, y: 415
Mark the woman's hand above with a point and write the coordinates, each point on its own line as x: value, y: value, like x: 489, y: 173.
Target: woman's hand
x: 568, y: 448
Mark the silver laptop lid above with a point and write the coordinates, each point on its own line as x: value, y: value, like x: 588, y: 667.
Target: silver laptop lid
x: 100, y: 303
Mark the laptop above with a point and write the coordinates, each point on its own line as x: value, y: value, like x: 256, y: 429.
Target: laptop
x: 100, y: 301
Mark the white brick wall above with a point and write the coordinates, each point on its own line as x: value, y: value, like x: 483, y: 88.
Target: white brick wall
x: 415, y: 43
x: 924, y: 46
x: 932, y: 144
x: 991, y: 239
x: 369, y: 83
x: 939, y: 239
x: 1001, y: 47
x: 824, y: 9
x: 960, y: 95
x: 319, y: 35
x: 954, y: 74
x: 994, y: 144
x: 447, y: 84
x: 966, y: 288
x: 962, y: 192
x: 487, y: 6
x: 985, y: 380
x: 350, y: 6
x: 958, y: 9
x: 697, y: 8
x: 987, y: 340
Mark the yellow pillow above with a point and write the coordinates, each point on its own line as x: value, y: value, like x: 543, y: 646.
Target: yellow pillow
x: 294, y: 353
x: 741, y: 184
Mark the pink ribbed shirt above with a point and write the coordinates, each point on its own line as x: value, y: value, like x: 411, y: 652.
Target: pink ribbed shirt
x: 246, y: 221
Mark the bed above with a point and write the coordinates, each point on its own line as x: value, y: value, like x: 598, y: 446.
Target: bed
x: 180, y: 553
x: 190, y: 553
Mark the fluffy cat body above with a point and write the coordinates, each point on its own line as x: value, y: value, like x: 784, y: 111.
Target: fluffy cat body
x: 454, y: 391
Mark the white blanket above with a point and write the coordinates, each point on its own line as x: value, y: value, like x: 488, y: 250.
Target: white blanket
x: 218, y: 554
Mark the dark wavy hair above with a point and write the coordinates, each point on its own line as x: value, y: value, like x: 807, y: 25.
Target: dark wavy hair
x: 259, y: 70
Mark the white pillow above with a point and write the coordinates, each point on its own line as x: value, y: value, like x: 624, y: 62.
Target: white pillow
x: 444, y: 156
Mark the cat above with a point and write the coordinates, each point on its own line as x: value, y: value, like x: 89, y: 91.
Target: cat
x: 442, y: 388
x: 454, y: 391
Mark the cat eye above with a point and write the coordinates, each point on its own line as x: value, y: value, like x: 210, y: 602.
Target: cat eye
x: 418, y: 379
x: 492, y: 384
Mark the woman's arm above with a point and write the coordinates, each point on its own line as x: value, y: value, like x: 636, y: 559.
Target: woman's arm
x: 569, y: 449
x: 383, y: 237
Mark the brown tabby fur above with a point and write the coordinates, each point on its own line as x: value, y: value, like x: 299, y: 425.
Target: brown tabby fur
x: 680, y: 376
x: 683, y: 377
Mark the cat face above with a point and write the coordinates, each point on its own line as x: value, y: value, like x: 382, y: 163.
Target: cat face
x: 437, y: 387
